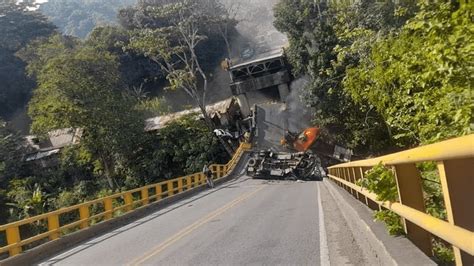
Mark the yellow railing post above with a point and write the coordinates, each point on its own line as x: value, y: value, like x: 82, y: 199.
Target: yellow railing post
x: 189, y: 182
x: 214, y: 171
x: 84, y: 215
x: 13, y: 237
x: 108, y: 207
x: 457, y: 182
x: 355, y: 177
x: 170, y: 187
x: 128, y: 199
x: 410, y: 191
x: 180, y: 185
x: 346, y: 177
x: 339, y: 174
x: 53, y: 225
x: 350, y: 178
x: 362, y: 171
x: 145, y: 197
x: 158, y: 191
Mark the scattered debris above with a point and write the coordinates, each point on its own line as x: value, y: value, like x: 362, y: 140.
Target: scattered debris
x: 302, y: 141
x: 283, y: 165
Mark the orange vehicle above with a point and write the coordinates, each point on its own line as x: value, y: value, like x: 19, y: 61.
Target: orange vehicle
x: 303, y: 141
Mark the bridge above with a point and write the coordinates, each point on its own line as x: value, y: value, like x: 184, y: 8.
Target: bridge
x: 252, y: 79
x: 247, y: 221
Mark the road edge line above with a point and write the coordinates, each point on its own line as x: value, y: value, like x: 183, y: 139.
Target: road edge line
x: 323, y: 243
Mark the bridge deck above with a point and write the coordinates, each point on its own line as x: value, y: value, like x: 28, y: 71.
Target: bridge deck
x: 242, y: 222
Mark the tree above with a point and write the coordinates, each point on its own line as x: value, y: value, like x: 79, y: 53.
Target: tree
x: 210, y: 50
x: 419, y: 79
x: 82, y: 89
x: 11, y: 164
x: 179, y: 149
x: 174, y: 48
x: 325, y: 39
x: 136, y: 70
x: 18, y: 27
x: 226, y: 27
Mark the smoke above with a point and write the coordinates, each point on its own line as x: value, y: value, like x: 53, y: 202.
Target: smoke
x: 255, y: 25
x: 299, y: 114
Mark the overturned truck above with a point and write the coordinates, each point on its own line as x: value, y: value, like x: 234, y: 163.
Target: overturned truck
x: 284, y: 165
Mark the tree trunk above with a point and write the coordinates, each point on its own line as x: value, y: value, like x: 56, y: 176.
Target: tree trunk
x: 108, y: 173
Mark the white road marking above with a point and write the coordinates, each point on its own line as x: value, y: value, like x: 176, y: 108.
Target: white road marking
x: 323, y: 244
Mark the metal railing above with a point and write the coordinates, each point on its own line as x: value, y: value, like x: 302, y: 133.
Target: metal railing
x: 455, y: 165
x: 109, y: 207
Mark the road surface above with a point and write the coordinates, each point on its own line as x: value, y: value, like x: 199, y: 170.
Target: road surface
x: 242, y: 222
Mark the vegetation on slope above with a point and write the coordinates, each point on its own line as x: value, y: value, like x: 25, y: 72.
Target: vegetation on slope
x: 96, y: 85
x: 385, y: 76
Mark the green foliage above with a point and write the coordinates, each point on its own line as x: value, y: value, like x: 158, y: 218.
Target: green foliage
x: 383, y: 73
x: 420, y: 79
x: 381, y: 181
x: 80, y: 88
x: 155, y: 26
x: 17, y: 28
x: 153, y: 107
x: 444, y: 254
x: 38, y: 52
x: 11, y: 153
x: 79, y: 17
x: 325, y: 39
x: 433, y: 194
x: 26, y: 198
x: 392, y: 221
x: 182, y: 148
x: 11, y: 164
x: 100, y: 87
x: 135, y: 69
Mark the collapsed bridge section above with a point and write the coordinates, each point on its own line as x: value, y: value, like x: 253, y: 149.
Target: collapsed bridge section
x: 249, y: 79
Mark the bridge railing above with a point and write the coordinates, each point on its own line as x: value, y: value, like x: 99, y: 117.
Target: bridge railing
x: 87, y: 214
x: 455, y: 165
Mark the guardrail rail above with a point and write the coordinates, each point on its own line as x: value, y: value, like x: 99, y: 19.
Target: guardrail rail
x: 455, y: 164
x: 110, y: 207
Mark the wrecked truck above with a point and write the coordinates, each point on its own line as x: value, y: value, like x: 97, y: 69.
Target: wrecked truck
x: 266, y: 164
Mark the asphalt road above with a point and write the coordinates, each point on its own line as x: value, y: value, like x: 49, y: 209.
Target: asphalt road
x: 242, y: 222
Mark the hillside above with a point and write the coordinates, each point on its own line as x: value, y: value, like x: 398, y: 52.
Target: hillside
x: 79, y: 17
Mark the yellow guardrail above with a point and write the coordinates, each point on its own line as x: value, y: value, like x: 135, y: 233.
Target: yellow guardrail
x: 111, y: 206
x: 455, y: 163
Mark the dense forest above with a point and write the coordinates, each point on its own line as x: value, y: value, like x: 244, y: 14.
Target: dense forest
x: 96, y: 84
x: 382, y: 76
x: 385, y: 76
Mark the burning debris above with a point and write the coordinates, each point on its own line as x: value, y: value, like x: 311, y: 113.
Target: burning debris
x: 283, y: 165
